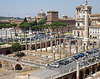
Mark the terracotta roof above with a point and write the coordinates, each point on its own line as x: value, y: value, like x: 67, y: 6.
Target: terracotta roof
x: 94, y: 15
x: 52, y: 11
x: 67, y: 19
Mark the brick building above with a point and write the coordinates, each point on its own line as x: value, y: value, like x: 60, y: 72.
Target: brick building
x: 53, y: 16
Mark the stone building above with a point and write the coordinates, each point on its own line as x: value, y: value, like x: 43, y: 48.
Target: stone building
x: 28, y: 17
x: 93, y: 23
x: 94, y: 29
x: 52, y: 16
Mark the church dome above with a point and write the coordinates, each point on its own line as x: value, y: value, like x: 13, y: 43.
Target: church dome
x: 41, y: 12
x: 28, y: 16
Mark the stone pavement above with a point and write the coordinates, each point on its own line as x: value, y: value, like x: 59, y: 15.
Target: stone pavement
x: 43, y: 73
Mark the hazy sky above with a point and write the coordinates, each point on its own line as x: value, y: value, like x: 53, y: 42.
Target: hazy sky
x: 20, y: 8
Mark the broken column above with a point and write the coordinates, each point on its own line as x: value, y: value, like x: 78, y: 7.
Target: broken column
x: 30, y: 43
x: 51, y: 46
x: 35, y: 44
x: 41, y: 45
x: 57, y: 47
x: 77, y: 70
x: 70, y: 47
x: 45, y: 45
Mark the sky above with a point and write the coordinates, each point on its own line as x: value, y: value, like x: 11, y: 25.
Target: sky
x: 20, y: 8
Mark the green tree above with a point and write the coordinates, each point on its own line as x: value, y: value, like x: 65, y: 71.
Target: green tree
x: 35, y: 27
x: 41, y: 22
x: 25, y: 19
x: 16, y: 47
x: 6, y: 27
x: 57, y: 25
x: 25, y: 26
x: 14, y: 25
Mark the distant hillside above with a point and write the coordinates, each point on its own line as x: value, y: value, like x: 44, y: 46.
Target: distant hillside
x: 7, y: 18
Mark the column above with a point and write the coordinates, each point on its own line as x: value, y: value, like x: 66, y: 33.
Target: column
x: 77, y: 70
x: 86, y: 22
x: 99, y: 43
x: 45, y: 45
x: 55, y: 42
x: 87, y: 45
x: 93, y: 44
x: 57, y: 47
x: 64, y: 49
x: 30, y: 43
x: 35, y: 44
x: 70, y: 47
x: 76, y: 47
x: 54, y: 55
x: 41, y: 45
x: 81, y: 43
x: 51, y: 47
x: 84, y: 47
x: 60, y: 48
x: 26, y: 40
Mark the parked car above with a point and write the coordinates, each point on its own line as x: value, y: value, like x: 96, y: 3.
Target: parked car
x: 75, y: 57
x: 67, y: 61
x: 89, y: 52
x: 62, y: 62
x: 80, y: 55
x: 70, y: 59
x: 97, y: 50
x: 55, y: 65
x: 85, y: 54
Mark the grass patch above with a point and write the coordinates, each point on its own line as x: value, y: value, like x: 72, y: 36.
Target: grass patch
x: 2, y: 43
x: 23, y: 35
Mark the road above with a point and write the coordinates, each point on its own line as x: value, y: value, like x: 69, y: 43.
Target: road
x: 72, y: 64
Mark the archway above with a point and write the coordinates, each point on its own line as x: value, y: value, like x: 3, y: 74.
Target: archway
x: 93, y: 70
x: 8, y: 52
x: 87, y: 72
x: 98, y: 68
x: 18, y: 67
x: 74, y: 76
x: 66, y: 78
x: 81, y: 75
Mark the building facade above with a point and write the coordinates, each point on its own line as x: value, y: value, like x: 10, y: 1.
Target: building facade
x: 93, y: 22
x: 52, y: 16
